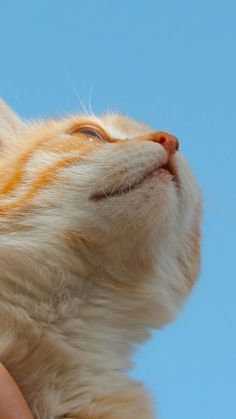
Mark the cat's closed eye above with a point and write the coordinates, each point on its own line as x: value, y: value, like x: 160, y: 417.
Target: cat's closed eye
x: 90, y: 132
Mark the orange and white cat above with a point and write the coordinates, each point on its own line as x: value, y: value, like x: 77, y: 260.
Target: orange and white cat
x: 99, y: 242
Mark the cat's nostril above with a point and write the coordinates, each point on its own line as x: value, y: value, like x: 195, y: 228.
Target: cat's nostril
x: 162, y: 140
x: 168, y: 141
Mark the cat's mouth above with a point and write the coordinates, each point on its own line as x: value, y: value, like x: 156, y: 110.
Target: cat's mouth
x: 166, y: 170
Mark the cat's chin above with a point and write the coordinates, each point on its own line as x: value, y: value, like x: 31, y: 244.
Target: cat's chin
x: 166, y: 171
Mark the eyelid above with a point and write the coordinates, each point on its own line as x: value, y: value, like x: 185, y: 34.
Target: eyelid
x: 83, y: 127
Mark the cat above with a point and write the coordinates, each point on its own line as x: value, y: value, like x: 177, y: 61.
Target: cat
x: 99, y: 242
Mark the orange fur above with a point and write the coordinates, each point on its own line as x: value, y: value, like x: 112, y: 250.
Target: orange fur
x: 45, y: 141
x: 99, y: 242
x: 43, y: 179
x: 18, y: 169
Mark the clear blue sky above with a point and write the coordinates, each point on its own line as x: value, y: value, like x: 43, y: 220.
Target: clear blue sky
x: 173, y: 65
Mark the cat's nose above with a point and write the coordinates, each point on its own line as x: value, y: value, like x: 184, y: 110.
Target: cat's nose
x: 168, y: 141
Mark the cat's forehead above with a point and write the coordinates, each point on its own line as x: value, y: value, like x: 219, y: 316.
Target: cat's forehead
x: 120, y: 126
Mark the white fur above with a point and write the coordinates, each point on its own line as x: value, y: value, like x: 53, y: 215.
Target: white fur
x: 71, y: 312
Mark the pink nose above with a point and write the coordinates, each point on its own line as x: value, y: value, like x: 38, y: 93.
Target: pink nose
x: 168, y: 141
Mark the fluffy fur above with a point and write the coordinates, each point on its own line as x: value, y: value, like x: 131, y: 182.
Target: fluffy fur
x: 87, y: 265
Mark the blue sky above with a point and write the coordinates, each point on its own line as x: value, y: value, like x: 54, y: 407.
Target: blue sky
x: 173, y: 65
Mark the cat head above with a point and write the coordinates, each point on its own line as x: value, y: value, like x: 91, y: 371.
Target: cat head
x: 106, y: 197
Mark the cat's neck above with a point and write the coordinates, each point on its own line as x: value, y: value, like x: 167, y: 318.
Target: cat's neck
x: 86, y: 311
x: 91, y: 308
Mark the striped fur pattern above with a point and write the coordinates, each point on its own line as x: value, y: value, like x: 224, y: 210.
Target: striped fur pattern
x: 93, y: 254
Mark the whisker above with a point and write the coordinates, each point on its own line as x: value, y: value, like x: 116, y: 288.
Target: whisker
x: 81, y: 103
x: 90, y: 101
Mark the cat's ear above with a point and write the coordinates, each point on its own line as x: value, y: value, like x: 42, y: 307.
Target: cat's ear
x: 10, y: 126
x: 8, y: 118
